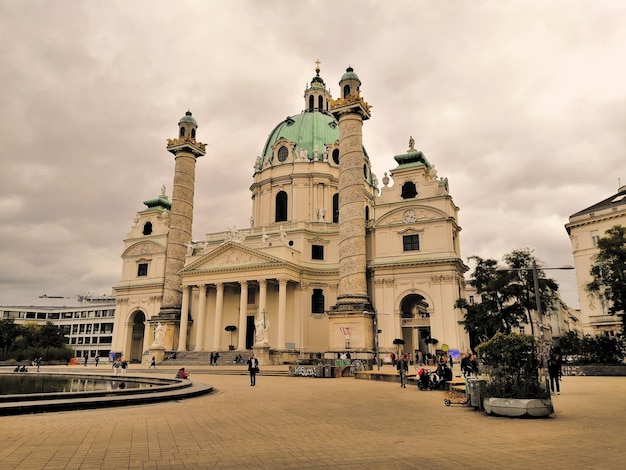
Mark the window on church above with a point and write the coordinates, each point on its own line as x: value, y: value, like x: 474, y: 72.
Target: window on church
x: 317, y: 301
x: 182, y: 132
x: 281, y: 207
x: 283, y: 153
x: 317, y: 252
x: 320, y: 103
x: 346, y: 90
x: 365, y: 171
x: 251, y: 295
x: 409, y: 190
x: 142, y: 269
x: 336, y: 208
x: 336, y: 156
x: 367, y: 213
x: 147, y: 228
x: 311, y: 103
x: 193, y: 133
x: 411, y: 242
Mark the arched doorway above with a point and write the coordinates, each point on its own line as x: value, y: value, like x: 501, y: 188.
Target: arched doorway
x: 137, y: 331
x: 415, y: 313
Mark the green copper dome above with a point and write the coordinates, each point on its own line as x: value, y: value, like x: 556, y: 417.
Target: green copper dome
x: 307, y: 130
x: 188, y: 118
x: 350, y: 75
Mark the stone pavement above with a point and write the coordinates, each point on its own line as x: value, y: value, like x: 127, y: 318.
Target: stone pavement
x: 293, y: 423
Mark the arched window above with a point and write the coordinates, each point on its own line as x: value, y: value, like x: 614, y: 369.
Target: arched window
x: 365, y: 171
x: 367, y: 212
x: 336, y: 156
x: 147, y: 228
x: 336, y: 208
x: 317, y: 301
x: 311, y: 103
x: 193, y: 133
x: 283, y: 153
x: 281, y: 206
x: 182, y: 132
x: 346, y: 90
x: 409, y: 190
x: 320, y: 103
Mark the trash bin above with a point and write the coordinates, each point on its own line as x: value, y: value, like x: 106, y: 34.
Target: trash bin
x: 474, y: 389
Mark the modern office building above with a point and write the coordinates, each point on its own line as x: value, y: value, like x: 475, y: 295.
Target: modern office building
x: 86, y: 321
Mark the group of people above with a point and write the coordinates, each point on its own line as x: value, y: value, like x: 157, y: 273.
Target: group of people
x: 469, y: 365
x: 120, y: 365
x: 213, y: 358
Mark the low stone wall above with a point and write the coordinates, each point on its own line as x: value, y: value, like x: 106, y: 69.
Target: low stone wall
x: 595, y: 370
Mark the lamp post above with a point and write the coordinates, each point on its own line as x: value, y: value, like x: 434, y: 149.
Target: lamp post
x: 376, y: 331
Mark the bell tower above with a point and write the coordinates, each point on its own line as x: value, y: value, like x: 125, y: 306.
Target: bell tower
x: 186, y: 151
x: 350, y: 323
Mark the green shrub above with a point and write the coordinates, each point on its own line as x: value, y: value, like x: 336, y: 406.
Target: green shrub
x: 512, y: 365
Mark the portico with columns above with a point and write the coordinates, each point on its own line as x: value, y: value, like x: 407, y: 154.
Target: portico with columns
x: 225, y: 288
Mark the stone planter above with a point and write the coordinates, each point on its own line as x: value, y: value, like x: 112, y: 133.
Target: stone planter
x: 518, y: 407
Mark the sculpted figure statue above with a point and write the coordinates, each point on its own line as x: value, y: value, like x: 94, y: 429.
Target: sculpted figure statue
x: 159, y: 333
x: 261, y: 327
x: 411, y: 144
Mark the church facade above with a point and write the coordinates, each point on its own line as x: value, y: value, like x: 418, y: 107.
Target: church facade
x: 332, y: 262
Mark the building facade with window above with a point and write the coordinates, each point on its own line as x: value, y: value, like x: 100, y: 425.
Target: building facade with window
x: 86, y: 321
x: 277, y: 280
x: 585, y: 228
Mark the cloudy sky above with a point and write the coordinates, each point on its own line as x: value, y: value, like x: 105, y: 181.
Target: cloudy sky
x: 520, y: 104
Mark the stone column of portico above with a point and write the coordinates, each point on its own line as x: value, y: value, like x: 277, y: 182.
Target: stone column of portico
x: 352, y: 297
x: 201, y: 318
x: 184, y: 319
x: 282, y: 312
x: 147, y: 337
x: 243, y: 316
x: 219, y: 310
x: 262, y: 295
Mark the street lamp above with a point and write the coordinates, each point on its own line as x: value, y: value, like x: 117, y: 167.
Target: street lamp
x: 376, y: 332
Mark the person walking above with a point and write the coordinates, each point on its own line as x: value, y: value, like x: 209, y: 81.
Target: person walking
x: 403, y: 367
x: 152, y: 363
x: 211, y: 358
x: 554, y: 371
x: 97, y: 360
x: 253, y: 368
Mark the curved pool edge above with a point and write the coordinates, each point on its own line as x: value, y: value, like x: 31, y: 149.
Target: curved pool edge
x: 187, y: 389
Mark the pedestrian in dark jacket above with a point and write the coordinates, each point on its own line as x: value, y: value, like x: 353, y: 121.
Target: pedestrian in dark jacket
x: 403, y: 367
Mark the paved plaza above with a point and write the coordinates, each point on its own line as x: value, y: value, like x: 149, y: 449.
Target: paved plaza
x: 293, y: 423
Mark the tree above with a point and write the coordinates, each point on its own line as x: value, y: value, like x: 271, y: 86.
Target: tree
x: 507, y: 295
x: 50, y: 336
x: 9, y: 331
x: 609, y: 272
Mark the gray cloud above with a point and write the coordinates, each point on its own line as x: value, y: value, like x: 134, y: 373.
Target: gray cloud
x: 521, y: 105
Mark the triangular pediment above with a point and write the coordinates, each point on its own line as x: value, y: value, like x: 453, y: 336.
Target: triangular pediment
x: 232, y: 255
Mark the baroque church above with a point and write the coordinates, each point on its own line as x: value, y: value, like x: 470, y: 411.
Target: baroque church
x: 331, y: 263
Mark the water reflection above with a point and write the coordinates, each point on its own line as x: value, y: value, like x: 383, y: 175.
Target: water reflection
x: 26, y: 383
